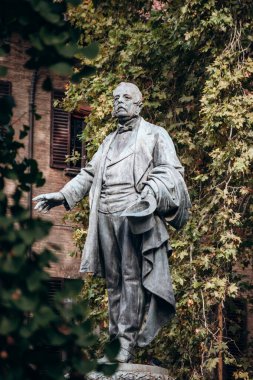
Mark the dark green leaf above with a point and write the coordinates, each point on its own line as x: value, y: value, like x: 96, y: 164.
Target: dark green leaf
x: 74, y: 2
x: 91, y: 51
x: 112, y: 349
x: 27, y: 303
x: 68, y: 50
x: 47, y: 84
x: 52, y: 39
x: 61, y: 68
x: 23, y: 133
x: 109, y: 369
x: 37, y: 116
x: 7, y: 325
x: 86, y: 71
x: 84, y: 366
x: 3, y: 71
x: 36, y: 41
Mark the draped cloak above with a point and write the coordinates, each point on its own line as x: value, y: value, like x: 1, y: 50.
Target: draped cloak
x: 155, y: 165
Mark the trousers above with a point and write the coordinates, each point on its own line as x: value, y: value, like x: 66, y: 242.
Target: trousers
x: 121, y: 253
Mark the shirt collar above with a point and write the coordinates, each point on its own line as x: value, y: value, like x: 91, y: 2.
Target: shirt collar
x: 129, y: 125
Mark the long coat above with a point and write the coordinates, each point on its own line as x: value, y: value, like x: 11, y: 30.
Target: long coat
x: 155, y: 164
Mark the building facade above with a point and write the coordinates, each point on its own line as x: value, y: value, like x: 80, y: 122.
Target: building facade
x: 53, y: 135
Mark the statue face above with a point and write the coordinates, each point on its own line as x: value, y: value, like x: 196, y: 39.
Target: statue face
x: 126, y: 102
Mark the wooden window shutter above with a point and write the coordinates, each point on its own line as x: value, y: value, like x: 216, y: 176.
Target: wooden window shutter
x: 5, y: 88
x: 55, y: 284
x: 60, y: 134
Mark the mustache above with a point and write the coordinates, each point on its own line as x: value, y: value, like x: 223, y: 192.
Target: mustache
x: 120, y: 107
x: 117, y: 109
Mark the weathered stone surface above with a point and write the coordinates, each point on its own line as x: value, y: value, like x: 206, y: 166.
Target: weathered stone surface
x: 136, y: 166
x: 134, y: 372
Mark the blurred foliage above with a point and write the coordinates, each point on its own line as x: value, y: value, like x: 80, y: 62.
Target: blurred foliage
x: 39, y: 338
x: 193, y: 63
x: 54, y: 43
x: 29, y: 322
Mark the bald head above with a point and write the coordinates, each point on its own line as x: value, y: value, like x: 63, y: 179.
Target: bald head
x: 127, y: 101
x: 129, y: 87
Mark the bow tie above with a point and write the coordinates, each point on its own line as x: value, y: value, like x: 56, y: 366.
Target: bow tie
x: 125, y: 128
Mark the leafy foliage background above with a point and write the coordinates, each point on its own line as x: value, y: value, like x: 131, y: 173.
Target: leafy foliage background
x: 193, y: 63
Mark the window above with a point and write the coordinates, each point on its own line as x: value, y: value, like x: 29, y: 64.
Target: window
x: 55, y: 284
x: 65, y: 131
x: 5, y: 88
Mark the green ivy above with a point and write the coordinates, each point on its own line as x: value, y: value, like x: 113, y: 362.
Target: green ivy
x: 193, y: 62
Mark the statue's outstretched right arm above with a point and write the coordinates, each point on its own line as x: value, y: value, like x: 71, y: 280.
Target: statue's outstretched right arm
x: 73, y: 191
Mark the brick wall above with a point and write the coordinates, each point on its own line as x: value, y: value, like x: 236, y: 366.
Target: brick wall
x: 20, y: 78
x: 248, y: 272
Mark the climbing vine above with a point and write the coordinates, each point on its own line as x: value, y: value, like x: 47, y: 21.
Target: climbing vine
x: 193, y: 63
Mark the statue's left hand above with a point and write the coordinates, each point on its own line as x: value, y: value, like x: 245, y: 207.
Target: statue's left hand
x: 146, y: 192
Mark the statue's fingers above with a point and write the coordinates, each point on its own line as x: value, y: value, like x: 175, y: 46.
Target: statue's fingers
x: 144, y: 194
x: 46, y: 209
x: 38, y: 205
x: 41, y: 205
x: 39, y: 197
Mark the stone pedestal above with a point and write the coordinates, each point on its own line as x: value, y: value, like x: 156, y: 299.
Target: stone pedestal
x: 129, y: 371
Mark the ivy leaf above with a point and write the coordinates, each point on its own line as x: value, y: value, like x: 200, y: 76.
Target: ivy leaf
x: 45, y: 10
x: 112, y: 349
x: 52, y: 39
x: 109, y: 369
x: 7, y: 325
x: 23, y: 133
x: 26, y: 303
x: 74, y: 2
x: 67, y: 50
x: 84, y: 366
x: 3, y: 71
x: 91, y: 51
x: 47, y: 84
x: 86, y: 71
x: 61, y: 68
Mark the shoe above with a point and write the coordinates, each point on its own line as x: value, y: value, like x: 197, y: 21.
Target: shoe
x: 103, y: 360
x: 124, y: 356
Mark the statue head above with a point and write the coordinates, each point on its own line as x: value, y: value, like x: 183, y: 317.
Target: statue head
x: 127, y: 101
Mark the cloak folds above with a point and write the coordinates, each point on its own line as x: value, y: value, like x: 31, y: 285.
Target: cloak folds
x: 172, y: 205
x: 155, y: 165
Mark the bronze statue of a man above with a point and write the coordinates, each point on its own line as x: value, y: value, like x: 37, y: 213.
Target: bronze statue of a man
x: 136, y: 186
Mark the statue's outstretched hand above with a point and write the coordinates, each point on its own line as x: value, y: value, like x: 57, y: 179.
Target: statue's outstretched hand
x: 48, y: 201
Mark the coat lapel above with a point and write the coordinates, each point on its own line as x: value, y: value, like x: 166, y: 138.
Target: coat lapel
x: 97, y: 183
x: 144, y: 145
x: 143, y: 149
x: 126, y: 152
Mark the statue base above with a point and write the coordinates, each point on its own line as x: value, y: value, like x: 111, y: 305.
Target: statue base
x: 128, y: 371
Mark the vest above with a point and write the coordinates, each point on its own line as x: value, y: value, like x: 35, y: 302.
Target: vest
x: 118, y: 190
